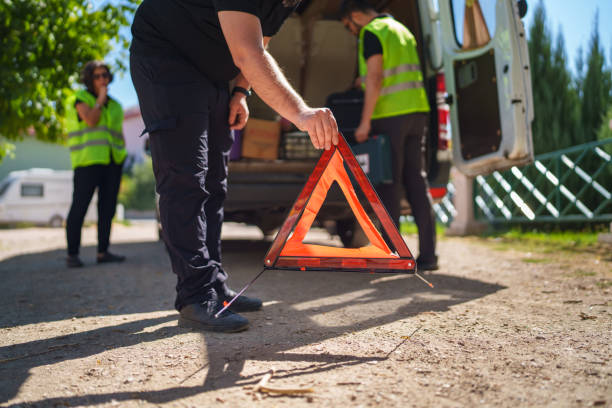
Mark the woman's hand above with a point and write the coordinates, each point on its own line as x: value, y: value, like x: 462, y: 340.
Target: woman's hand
x: 102, y: 94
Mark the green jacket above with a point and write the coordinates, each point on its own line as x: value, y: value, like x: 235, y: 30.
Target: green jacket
x: 95, y: 145
x: 402, y: 88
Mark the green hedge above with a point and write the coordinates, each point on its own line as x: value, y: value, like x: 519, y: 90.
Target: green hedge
x: 138, y: 188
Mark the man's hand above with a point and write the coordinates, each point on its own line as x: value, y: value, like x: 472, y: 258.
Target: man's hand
x: 362, y: 132
x: 245, y: 40
x: 238, y: 111
x: 320, y: 125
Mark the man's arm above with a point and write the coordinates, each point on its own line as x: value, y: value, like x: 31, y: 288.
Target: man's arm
x: 238, y: 108
x: 373, y: 84
x: 244, y: 37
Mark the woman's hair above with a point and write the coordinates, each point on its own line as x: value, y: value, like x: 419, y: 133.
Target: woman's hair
x: 88, y: 72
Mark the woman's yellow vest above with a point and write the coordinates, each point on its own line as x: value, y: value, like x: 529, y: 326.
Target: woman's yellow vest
x: 402, y: 88
x: 95, y: 145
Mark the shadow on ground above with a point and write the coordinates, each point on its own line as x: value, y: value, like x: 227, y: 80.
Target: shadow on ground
x: 38, y: 288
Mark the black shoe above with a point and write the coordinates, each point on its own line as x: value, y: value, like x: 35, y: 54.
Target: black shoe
x: 427, y: 264
x: 73, y: 261
x: 242, y: 303
x: 109, y: 257
x: 201, y: 316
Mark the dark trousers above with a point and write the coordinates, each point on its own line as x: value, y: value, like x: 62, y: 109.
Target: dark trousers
x: 106, y: 178
x: 408, y: 134
x: 186, y: 116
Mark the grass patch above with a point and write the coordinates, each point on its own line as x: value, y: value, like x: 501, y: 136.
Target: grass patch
x: 410, y: 228
x: 604, y: 283
x: 541, y: 242
x: 579, y: 273
x: 536, y: 260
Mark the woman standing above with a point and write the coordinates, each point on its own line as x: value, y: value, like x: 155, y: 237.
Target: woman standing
x: 97, y: 151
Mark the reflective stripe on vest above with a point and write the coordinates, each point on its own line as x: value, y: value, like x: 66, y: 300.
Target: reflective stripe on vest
x: 402, y: 89
x: 95, y: 145
x: 397, y: 70
x: 99, y: 142
x: 114, y: 133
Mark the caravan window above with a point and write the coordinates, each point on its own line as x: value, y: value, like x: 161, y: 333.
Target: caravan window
x: 5, y: 185
x: 32, y: 190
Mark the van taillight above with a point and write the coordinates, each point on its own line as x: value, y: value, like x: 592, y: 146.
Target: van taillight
x: 443, y: 114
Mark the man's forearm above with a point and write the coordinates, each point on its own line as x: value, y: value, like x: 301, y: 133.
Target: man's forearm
x: 373, y: 85
x: 241, y: 81
x: 261, y: 71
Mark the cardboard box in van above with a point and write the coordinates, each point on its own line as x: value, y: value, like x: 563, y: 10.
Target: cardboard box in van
x: 260, y: 139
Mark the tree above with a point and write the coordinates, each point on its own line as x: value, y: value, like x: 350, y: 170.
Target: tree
x: 44, y: 45
x: 596, y: 87
x: 605, y: 130
x: 555, y: 97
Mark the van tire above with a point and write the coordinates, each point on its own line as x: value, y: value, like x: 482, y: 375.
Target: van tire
x: 56, y: 221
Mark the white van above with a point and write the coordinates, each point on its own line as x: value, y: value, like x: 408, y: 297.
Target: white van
x: 476, y: 73
x: 39, y: 196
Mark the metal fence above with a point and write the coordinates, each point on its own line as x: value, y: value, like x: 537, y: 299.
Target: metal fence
x: 569, y: 185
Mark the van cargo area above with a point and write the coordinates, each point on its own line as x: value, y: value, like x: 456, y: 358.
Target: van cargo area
x: 319, y: 57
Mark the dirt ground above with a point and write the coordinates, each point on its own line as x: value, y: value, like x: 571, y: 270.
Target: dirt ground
x: 502, y: 327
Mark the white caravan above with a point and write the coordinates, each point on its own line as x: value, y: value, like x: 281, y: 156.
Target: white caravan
x: 39, y: 196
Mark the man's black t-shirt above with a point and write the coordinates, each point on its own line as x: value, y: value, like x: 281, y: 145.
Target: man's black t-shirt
x: 190, y: 29
x: 371, y: 43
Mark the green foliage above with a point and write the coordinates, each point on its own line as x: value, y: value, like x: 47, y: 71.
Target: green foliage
x: 410, y: 228
x: 138, y: 188
x: 44, y: 46
x: 6, y: 150
x: 597, y: 86
x: 556, y: 100
x: 605, y: 129
x: 568, y: 109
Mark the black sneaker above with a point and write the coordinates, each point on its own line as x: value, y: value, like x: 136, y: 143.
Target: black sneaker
x: 109, y: 257
x: 73, y: 261
x: 427, y: 265
x: 201, y: 316
x: 242, y: 303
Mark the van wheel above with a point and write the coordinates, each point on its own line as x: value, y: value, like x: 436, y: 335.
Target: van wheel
x: 56, y: 221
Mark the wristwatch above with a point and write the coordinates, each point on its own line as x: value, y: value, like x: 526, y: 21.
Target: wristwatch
x: 241, y: 90
x: 97, y: 105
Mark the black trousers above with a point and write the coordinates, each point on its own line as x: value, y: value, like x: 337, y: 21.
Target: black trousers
x: 106, y: 178
x: 186, y: 116
x: 408, y: 134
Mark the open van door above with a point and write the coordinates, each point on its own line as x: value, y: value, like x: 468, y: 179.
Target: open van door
x: 488, y: 80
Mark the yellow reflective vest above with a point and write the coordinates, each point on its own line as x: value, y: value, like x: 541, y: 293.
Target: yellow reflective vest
x: 95, y: 145
x: 402, y: 89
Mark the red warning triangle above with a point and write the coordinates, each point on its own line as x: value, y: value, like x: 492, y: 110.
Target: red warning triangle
x: 288, y: 250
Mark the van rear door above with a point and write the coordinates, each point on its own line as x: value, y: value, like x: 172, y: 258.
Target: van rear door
x: 486, y: 63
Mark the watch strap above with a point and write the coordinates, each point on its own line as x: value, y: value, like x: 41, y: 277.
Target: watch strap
x: 241, y: 90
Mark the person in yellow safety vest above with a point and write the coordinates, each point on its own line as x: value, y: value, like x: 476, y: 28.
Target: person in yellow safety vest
x: 97, y: 151
x: 395, y: 104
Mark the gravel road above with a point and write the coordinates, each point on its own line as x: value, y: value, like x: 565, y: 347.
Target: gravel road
x: 503, y: 327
